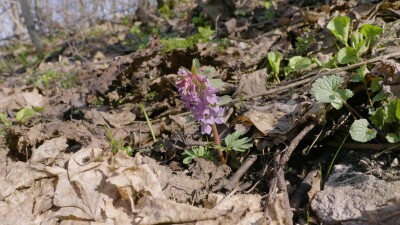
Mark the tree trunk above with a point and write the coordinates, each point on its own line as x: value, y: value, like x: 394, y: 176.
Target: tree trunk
x: 18, y: 27
x: 28, y: 19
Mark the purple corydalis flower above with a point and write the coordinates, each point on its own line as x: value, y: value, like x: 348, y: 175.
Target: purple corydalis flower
x: 199, y: 97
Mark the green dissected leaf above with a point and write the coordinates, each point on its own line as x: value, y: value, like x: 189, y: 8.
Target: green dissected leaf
x: 196, y: 152
x: 326, y: 90
x: 299, y: 62
x: 240, y: 145
x: 360, y: 74
x: 378, y: 117
x: 24, y: 115
x: 340, y: 26
x: 360, y: 131
x: 4, y: 120
x: 347, y: 55
x: 370, y: 32
x: 274, y: 59
x: 392, y: 138
x: 358, y: 42
x: 225, y: 100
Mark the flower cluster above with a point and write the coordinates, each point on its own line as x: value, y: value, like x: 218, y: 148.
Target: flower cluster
x: 199, y: 97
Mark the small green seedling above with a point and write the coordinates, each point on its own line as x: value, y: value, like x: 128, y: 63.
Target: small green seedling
x: 274, y: 59
x: 197, y: 152
x: 204, y: 34
x: 117, y: 145
x: 4, y: 120
x: 148, y: 122
x: 232, y: 142
x: 360, y: 40
x: 340, y: 26
x: 297, y: 63
x: 27, y: 113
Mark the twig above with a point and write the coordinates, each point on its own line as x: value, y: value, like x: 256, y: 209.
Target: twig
x: 278, y: 182
x: 233, y: 181
x: 235, y: 178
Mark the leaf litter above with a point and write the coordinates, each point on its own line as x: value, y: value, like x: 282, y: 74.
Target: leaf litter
x: 59, y: 166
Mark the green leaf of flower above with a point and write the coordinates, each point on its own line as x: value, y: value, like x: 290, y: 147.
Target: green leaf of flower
x: 347, y: 55
x: 340, y: 26
x: 232, y: 141
x: 326, y: 90
x: 360, y: 131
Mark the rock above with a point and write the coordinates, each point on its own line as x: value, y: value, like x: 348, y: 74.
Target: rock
x: 353, y: 198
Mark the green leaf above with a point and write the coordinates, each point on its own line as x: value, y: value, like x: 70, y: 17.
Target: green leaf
x: 360, y: 131
x: 196, y: 152
x: 381, y: 95
x: 195, y: 66
x: 232, y: 141
x: 391, y: 110
x: 216, y: 83
x: 398, y: 110
x: 378, y: 117
x: 208, y: 71
x: 4, y: 120
x: 370, y: 32
x: 347, y: 55
x: 225, y: 100
x: 392, y: 138
x: 340, y: 26
x: 358, y: 42
x: 326, y: 90
x: 360, y: 74
x: 24, y: 115
x: 274, y: 59
x: 298, y: 62
x: 375, y: 84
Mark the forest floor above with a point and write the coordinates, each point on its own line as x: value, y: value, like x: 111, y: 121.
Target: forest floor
x: 95, y: 132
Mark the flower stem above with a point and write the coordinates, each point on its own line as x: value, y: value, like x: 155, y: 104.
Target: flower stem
x: 218, y: 143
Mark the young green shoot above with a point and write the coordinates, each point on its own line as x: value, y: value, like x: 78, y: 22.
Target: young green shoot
x: 148, y: 122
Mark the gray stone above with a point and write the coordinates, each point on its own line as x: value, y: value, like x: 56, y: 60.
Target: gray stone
x: 353, y: 198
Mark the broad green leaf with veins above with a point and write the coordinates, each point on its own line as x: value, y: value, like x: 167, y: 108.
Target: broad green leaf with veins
x: 360, y: 131
x: 340, y: 27
x: 347, y: 55
x: 327, y: 90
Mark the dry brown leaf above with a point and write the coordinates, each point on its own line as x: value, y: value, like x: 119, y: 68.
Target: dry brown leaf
x: 252, y: 83
x: 49, y: 150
